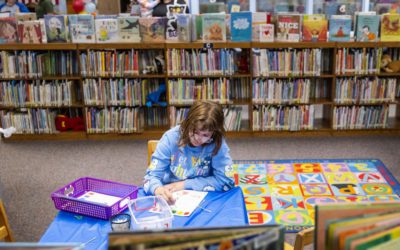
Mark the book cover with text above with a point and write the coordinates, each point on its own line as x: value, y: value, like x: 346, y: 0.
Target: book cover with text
x: 214, y: 27
x: 82, y: 28
x: 56, y: 28
x: 152, y: 29
x: 339, y: 28
x: 266, y: 32
x: 259, y: 18
x: 288, y: 27
x: 390, y: 27
x: 183, y: 23
x: 367, y: 28
x: 315, y: 30
x: 106, y: 30
x: 128, y: 29
x: 8, y: 30
x: 25, y: 16
x: 30, y: 32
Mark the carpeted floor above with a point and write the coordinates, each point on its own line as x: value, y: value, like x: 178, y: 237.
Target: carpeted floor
x: 30, y: 171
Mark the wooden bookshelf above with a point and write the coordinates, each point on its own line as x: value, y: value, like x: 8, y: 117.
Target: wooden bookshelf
x: 327, y: 78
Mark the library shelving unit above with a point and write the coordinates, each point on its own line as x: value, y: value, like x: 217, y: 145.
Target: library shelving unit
x: 266, y: 89
x: 38, y: 82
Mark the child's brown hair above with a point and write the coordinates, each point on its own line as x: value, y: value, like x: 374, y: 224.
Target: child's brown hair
x: 204, y: 115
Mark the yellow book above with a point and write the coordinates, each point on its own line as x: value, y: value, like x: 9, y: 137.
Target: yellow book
x: 390, y: 27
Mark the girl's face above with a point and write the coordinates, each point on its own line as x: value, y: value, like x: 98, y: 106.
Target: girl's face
x: 11, y: 2
x: 200, y: 137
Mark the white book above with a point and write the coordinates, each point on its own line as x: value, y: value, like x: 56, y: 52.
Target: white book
x: 128, y: 29
x: 106, y: 30
x: 82, y: 28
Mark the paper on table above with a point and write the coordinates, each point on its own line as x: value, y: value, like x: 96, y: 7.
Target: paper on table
x: 107, y: 200
x: 186, y: 201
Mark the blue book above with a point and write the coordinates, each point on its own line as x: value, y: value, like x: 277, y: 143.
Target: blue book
x: 241, y: 26
x: 339, y: 28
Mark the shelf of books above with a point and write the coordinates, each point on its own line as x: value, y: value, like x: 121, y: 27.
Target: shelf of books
x: 265, y: 91
x: 117, y: 77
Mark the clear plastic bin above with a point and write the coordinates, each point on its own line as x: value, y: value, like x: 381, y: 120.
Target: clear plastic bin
x: 150, y: 212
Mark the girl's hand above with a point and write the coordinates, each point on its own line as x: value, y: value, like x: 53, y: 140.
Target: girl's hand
x: 176, y: 186
x: 165, y: 192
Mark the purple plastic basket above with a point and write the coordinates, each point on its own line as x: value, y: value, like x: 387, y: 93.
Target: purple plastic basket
x: 65, y: 198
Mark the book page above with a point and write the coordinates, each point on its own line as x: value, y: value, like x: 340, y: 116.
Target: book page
x: 186, y: 201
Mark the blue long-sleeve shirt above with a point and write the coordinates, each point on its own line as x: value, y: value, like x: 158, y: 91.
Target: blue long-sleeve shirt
x: 195, y: 165
x: 21, y: 7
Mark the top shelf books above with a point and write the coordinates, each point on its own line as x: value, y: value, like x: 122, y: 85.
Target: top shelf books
x: 235, y: 27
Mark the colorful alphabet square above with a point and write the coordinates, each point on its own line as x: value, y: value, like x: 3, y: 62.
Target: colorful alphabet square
x: 258, y: 202
x: 288, y: 202
x: 261, y: 217
x: 311, y: 178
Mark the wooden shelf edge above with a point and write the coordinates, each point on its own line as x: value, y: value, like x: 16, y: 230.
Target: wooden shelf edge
x: 61, y: 136
x: 154, y: 135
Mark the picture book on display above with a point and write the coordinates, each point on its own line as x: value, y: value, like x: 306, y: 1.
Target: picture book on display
x: 241, y: 26
x: 82, y: 29
x: 128, y: 29
x: 390, y: 27
x: 31, y: 32
x: 382, y: 8
x: 233, y: 6
x: 254, y: 237
x: 183, y: 24
x: 266, y: 32
x: 197, y: 27
x: 23, y: 16
x: 8, y: 30
x: 339, y: 28
x: 315, y: 28
x: 259, y: 18
x: 214, y: 28
x: 56, y: 28
x: 228, y: 27
x: 106, y: 30
x: 152, y: 29
x: 288, y: 27
x: 338, y: 225
x: 42, y: 29
x: 207, y: 6
x: 171, y: 26
x: 339, y: 8
x: 367, y: 27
